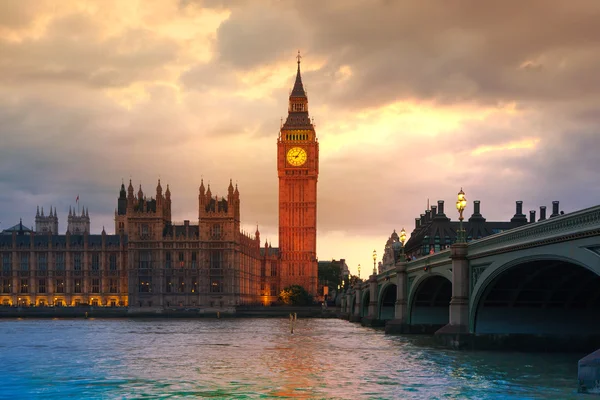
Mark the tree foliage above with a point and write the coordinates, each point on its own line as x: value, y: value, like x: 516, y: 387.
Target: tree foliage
x: 295, y: 295
x: 329, y: 274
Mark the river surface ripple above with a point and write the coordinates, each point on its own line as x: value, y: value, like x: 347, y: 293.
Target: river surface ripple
x: 259, y: 358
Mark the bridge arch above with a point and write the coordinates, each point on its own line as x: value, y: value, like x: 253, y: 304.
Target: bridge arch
x: 364, y: 303
x: 429, y: 302
x: 386, y: 303
x: 541, y: 294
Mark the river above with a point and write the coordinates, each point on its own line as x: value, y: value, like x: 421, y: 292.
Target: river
x: 260, y: 358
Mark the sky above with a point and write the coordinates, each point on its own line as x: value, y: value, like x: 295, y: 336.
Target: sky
x: 411, y: 101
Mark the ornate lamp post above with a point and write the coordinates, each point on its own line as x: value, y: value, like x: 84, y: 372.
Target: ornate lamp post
x: 461, y: 204
x: 374, y: 261
x: 402, y: 240
x: 358, y: 271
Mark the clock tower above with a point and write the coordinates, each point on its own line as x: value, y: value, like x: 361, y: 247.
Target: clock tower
x: 298, y: 170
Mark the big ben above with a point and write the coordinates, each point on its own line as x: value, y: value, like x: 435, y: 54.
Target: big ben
x: 298, y: 170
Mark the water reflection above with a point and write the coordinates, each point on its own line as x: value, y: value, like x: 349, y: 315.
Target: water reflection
x: 251, y: 358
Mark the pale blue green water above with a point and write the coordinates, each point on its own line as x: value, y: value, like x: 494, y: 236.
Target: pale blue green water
x: 259, y: 358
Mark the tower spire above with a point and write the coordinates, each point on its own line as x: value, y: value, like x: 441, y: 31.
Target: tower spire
x: 298, y: 90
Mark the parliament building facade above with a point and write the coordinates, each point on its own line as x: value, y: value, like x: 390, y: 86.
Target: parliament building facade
x: 152, y: 262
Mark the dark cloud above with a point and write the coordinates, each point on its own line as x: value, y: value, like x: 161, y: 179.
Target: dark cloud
x: 80, y: 108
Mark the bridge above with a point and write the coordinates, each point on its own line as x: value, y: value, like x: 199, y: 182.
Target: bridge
x: 532, y: 287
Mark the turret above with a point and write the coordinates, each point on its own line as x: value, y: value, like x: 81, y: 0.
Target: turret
x: 122, y: 201
x: 202, y: 193
x: 159, y: 196
x: 230, y: 192
x: 140, y: 194
x: 130, y: 196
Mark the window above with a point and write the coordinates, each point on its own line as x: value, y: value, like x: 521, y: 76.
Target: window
x: 60, y: 286
x: 60, y: 262
x: 24, y: 285
x: 216, y: 232
x: 95, y: 262
x: 77, y: 261
x: 42, y: 262
x: 95, y: 303
x: 215, y: 259
x: 113, y: 262
x: 5, y: 285
x: 273, y: 289
x: 216, y: 286
x: 41, y: 286
x: 169, y: 284
x: 263, y: 270
x: 181, y: 259
x: 194, y: 286
x: 168, y: 259
x: 181, y: 285
x: 95, y: 285
x: 112, y: 286
x: 24, y: 262
x: 145, y: 258
x: 145, y: 284
x: 6, y: 264
x: 77, y: 286
x: 145, y: 230
x: 273, y: 268
x: 194, y: 260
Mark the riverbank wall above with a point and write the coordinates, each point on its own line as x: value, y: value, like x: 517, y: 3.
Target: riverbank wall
x: 159, y: 312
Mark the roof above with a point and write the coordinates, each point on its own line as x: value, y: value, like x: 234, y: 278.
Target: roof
x: 298, y: 90
x: 60, y: 240
x: 19, y: 228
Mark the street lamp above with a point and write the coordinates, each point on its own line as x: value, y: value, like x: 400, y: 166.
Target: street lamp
x: 374, y: 260
x: 461, y: 203
x: 358, y: 271
x: 402, y: 239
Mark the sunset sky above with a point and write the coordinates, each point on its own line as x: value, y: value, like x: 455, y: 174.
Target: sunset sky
x: 411, y: 100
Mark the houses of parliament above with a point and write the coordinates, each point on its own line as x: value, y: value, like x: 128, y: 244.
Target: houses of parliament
x: 152, y: 262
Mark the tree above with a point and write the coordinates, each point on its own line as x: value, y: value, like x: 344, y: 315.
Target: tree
x: 295, y: 295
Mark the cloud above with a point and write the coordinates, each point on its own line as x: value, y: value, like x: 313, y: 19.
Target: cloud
x: 411, y: 101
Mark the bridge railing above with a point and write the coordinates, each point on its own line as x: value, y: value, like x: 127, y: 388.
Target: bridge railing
x: 430, y: 261
x: 580, y: 221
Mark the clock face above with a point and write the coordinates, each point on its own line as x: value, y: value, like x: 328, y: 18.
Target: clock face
x: 296, y: 156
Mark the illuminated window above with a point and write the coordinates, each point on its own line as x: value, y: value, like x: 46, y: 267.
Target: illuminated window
x: 216, y: 286
x: 145, y: 284
x: 60, y: 286
x: 24, y: 285
x: 181, y: 285
x: 169, y: 284
x: 6, y: 285
x: 77, y: 286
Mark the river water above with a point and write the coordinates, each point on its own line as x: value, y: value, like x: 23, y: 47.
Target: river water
x: 260, y: 358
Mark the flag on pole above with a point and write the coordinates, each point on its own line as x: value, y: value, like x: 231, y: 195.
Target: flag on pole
x: 77, y: 199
